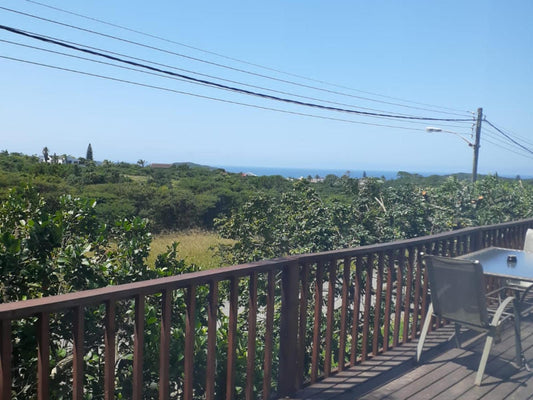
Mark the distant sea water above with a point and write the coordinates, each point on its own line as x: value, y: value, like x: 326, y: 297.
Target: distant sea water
x: 313, y: 172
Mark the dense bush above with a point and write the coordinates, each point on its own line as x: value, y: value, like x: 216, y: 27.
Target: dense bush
x: 371, y: 211
x: 270, y: 216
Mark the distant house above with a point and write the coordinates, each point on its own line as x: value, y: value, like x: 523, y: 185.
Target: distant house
x: 60, y: 159
x: 156, y: 165
x: 68, y: 160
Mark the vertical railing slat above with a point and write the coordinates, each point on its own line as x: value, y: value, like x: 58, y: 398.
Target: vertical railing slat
x: 418, y: 290
x: 109, y: 356
x: 453, y: 247
x: 377, y: 305
x: 304, y: 294
x: 190, y: 322
x: 388, y: 302
x: 316, y: 322
x: 356, y: 310
x: 425, y: 289
x: 232, y: 340
x: 288, y: 329
x: 138, y: 347
x: 252, y: 336
x: 368, y: 302
x: 43, y: 356
x: 407, y: 299
x: 164, y: 345
x: 212, y: 308
x: 344, y: 312
x: 399, y: 292
x: 78, y: 353
x: 330, y: 316
x: 267, y: 365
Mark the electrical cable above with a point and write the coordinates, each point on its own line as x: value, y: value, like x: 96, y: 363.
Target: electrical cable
x: 189, y: 71
x: 502, y: 142
x: 212, y: 63
x: 498, y: 141
x: 508, y: 137
x: 142, y: 71
x: 491, y: 132
x: 517, y: 137
x: 206, y: 97
x: 226, y: 87
x: 500, y: 146
x: 95, y: 61
x: 234, y: 59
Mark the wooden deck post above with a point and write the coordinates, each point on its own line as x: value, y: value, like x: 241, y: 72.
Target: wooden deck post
x: 6, y: 348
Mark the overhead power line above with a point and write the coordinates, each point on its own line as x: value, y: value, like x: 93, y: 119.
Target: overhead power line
x: 92, y: 60
x: 204, y: 97
x: 509, y: 137
x: 180, y: 69
x: 233, y: 58
x: 145, y: 72
x: 225, y: 87
x: 505, y: 146
x: 216, y: 64
x: 522, y: 139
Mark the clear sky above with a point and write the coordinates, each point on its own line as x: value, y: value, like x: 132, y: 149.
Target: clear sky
x: 409, y: 57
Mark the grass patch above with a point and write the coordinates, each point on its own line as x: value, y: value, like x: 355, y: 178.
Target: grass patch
x: 195, y: 247
x: 137, y: 178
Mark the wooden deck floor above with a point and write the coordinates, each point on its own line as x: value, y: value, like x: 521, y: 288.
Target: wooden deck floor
x: 445, y: 373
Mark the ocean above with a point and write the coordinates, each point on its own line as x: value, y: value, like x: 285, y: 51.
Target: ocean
x: 313, y: 172
x: 355, y: 173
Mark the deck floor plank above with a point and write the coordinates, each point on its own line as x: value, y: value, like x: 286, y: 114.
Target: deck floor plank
x: 445, y: 372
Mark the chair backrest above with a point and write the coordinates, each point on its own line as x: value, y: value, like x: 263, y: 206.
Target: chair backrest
x: 458, y: 290
x: 528, y: 242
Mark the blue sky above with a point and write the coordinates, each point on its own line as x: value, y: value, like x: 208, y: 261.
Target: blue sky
x: 454, y: 54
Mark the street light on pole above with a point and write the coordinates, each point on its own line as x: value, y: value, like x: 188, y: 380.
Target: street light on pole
x: 474, y: 145
x: 433, y: 129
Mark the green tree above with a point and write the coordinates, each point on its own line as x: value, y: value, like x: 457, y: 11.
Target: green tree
x: 89, y: 155
x: 45, y: 154
x: 266, y: 226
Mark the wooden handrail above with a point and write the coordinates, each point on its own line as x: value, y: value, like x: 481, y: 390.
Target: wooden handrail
x: 23, y: 309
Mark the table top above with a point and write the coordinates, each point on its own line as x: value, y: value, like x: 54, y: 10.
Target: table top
x: 494, y: 261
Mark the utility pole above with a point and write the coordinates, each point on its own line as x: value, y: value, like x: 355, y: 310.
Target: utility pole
x: 476, y: 143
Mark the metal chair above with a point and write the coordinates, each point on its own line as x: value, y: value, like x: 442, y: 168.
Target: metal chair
x: 524, y: 287
x: 528, y: 242
x: 458, y: 295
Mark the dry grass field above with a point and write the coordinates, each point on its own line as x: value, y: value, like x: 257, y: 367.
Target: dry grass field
x: 195, y: 247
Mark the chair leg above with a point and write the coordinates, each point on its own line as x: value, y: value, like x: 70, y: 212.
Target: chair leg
x: 483, y: 362
x: 424, y: 332
x: 490, y: 337
x: 457, y: 333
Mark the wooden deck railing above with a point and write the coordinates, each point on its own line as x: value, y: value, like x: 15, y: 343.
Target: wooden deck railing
x: 288, y: 322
